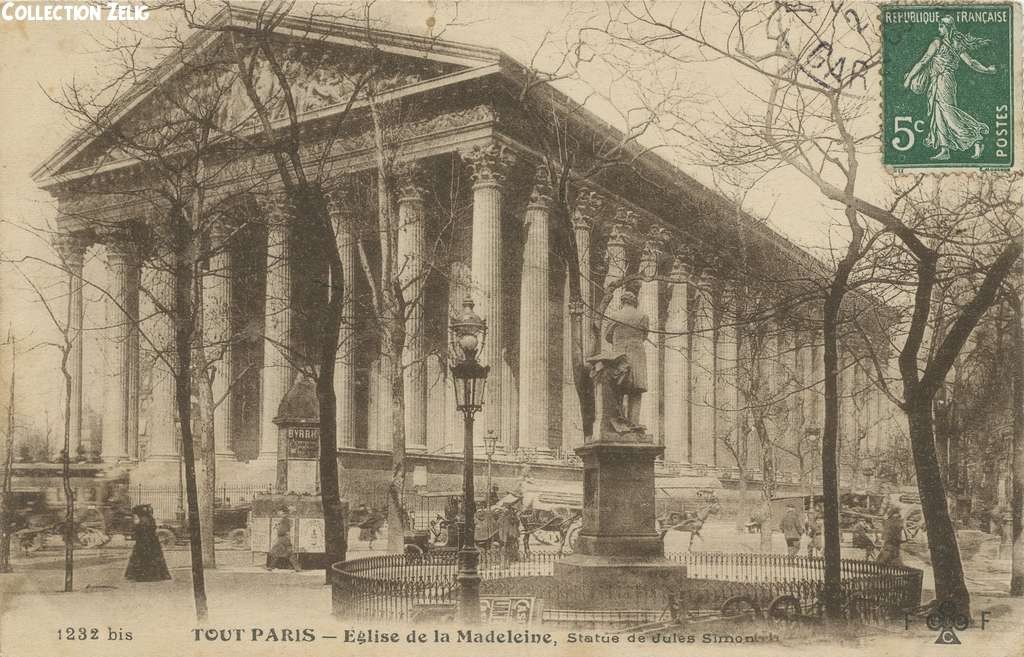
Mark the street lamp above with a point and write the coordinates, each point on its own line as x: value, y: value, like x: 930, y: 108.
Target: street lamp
x: 469, y: 377
x: 490, y: 445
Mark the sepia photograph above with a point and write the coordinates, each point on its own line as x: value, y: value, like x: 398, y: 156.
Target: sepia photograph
x: 382, y: 327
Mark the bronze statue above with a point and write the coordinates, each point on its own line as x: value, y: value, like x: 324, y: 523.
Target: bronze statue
x: 627, y: 331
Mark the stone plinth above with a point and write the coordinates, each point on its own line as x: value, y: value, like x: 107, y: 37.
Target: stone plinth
x: 618, y: 545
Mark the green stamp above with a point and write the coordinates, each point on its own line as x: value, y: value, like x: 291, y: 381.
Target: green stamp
x: 948, y: 86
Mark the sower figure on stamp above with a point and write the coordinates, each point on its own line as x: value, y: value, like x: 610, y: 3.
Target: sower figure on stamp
x: 627, y: 332
x: 935, y: 76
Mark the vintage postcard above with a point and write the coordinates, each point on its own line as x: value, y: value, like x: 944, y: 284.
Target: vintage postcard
x: 516, y: 328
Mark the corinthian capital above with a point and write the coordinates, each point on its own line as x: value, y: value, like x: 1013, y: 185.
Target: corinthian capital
x: 276, y: 206
x: 71, y: 248
x: 651, y: 255
x: 623, y: 225
x: 341, y: 200
x: 586, y: 209
x: 682, y: 270
x: 540, y: 195
x: 490, y: 164
x: 412, y: 185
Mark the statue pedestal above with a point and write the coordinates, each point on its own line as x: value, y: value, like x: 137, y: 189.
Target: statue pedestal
x: 618, y: 549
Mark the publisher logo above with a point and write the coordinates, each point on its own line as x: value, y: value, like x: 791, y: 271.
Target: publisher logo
x: 946, y: 620
x: 72, y: 11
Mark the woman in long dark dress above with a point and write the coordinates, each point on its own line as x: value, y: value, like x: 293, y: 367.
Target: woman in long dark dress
x: 146, y: 564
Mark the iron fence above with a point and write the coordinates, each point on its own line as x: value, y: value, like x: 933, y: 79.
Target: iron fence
x: 398, y: 587
x: 168, y: 497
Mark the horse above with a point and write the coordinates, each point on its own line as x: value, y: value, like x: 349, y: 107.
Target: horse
x: 693, y: 524
x: 499, y: 526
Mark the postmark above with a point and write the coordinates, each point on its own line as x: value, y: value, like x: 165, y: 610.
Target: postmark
x: 949, y: 86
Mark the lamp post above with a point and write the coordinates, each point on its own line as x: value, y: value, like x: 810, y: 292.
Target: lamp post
x: 469, y: 378
x: 490, y: 445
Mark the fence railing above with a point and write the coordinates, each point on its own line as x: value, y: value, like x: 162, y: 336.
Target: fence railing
x: 169, y: 496
x: 396, y: 587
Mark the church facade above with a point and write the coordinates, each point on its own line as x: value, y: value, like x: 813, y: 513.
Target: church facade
x: 733, y: 345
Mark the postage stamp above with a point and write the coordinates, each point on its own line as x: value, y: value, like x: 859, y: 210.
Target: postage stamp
x: 949, y: 85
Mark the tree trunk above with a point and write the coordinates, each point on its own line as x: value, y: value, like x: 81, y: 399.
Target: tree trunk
x: 313, y: 210
x: 767, y: 482
x: 335, y: 540
x: 183, y: 333
x: 830, y: 447
x: 396, y: 489
x: 6, y: 521
x: 741, y: 515
x: 942, y: 545
x: 206, y: 471
x: 1017, y: 479
x: 69, y: 497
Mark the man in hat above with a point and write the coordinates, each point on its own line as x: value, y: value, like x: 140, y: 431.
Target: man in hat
x: 892, y: 538
x: 627, y: 332
x: 791, y: 529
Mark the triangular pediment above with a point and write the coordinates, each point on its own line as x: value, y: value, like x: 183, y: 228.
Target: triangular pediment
x: 323, y: 64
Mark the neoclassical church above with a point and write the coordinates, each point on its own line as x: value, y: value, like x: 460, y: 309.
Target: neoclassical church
x: 477, y: 216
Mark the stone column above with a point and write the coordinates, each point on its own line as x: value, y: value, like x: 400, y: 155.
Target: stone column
x: 726, y: 355
x: 119, y: 323
x: 459, y: 284
x: 162, y: 414
x: 801, y: 407
x: 489, y: 165
x: 649, y: 302
x: 817, y: 370
x: 677, y: 366
x: 437, y: 387
x: 217, y: 303
x: 785, y: 425
x: 342, y: 208
x: 132, y: 358
x: 384, y: 404
x: 72, y: 252
x: 534, y: 322
x: 277, y: 326
x: 702, y: 372
x: 615, y: 253
x: 588, y: 204
x: 411, y: 253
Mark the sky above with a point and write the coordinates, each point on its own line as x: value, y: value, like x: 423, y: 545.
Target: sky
x: 37, y: 58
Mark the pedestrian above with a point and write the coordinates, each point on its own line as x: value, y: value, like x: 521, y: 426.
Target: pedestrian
x: 892, y: 538
x: 862, y: 541
x: 282, y: 551
x: 791, y: 530
x: 146, y: 563
x: 815, y: 533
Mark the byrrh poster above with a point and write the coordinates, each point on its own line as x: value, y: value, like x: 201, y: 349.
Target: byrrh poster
x: 511, y: 328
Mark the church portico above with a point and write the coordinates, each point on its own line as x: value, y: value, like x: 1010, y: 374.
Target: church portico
x: 476, y: 213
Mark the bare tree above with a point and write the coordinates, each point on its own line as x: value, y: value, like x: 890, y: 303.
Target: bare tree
x: 6, y: 506
x: 806, y: 114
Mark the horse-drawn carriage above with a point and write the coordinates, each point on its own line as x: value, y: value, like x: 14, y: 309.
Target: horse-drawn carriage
x: 860, y: 512
x: 684, y: 504
x: 547, y: 517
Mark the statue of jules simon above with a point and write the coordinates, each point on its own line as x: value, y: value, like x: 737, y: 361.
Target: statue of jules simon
x: 627, y: 331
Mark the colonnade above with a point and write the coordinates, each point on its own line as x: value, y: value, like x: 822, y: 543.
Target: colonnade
x: 697, y: 402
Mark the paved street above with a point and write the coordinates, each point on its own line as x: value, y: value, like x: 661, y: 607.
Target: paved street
x: 244, y: 595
